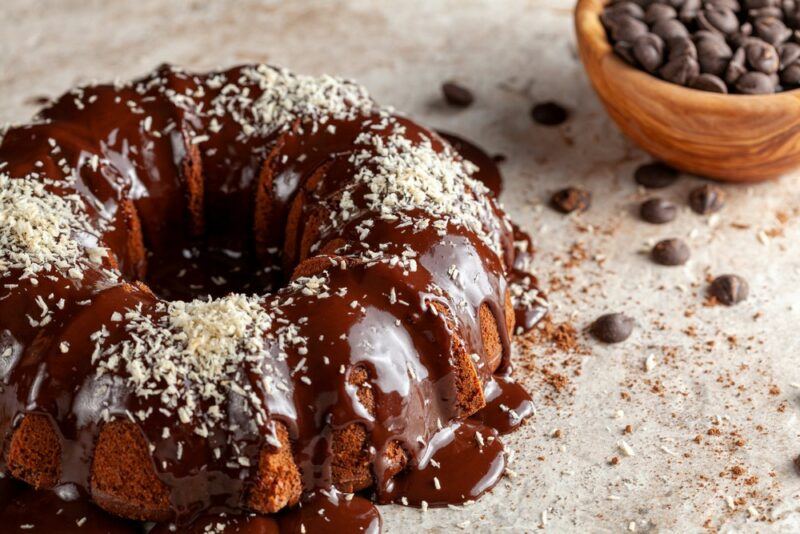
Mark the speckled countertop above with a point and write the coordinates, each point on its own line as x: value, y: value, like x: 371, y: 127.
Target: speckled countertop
x: 713, y: 423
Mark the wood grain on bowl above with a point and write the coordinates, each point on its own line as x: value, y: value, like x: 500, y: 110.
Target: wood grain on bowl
x: 728, y: 137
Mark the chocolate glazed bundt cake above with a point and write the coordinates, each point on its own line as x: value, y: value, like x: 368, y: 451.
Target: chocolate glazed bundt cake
x: 228, y: 291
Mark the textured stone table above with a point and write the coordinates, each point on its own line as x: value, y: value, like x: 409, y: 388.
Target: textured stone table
x: 713, y: 421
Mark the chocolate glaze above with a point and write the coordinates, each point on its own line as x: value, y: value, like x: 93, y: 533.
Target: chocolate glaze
x: 137, y: 165
x: 61, y: 510
x: 488, y: 172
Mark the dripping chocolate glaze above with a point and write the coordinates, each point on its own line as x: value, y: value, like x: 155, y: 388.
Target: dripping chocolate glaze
x: 209, y: 248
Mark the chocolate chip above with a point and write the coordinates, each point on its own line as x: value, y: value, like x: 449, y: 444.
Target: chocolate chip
x: 789, y: 54
x: 658, y: 211
x: 625, y: 51
x: 706, y: 199
x: 748, y: 46
x: 790, y: 76
x: 762, y: 56
x: 713, y: 54
x: 549, y: 113
x: 710, y: 83
x: 681, y: 70
x: 571, y: 199
x: 627, y: 28
x: 612, y: 327
x: 670, y: 252
x: 755, y: 83
x: 648, y: 50
x: 669, y: 29
x: 457, y: 95
x: 656, y: 12
x: 719, y: 19
x: 729, y: 289
x: 655, y: 175
x: 737, y: 67
x: 613, y: 13
x: 682, y: 47
x: 772, y: 29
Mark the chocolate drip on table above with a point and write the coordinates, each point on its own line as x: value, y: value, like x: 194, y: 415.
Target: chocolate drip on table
x: 209, y: 249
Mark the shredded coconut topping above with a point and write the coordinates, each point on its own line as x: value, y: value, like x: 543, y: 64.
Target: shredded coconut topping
x: 188, y: 352
x: 40, y: 230
x: 286, y: 97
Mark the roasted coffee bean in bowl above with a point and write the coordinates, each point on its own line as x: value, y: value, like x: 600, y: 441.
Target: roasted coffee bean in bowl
x: 710, y: 87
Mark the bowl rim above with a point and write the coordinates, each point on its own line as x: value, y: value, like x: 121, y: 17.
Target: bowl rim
x: 590, y: 30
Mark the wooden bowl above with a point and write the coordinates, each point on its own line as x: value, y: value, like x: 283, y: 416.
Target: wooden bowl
x: 728, y: 137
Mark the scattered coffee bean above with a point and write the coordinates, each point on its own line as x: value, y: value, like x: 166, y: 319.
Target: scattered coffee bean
x: 729, y: 289
x: 670, y: 252
x: 723, y: 46
x: 706, y: 199
x: 612, y: 327
x: 658, y: 211
x: 571, y: 199
x: 655, y: 175
x: 499, y: 158
x: 457, y: 95
x: 796, y: 463
x: 549, y: 113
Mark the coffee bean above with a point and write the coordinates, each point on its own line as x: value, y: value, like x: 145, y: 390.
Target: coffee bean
x: 655, y: 175
x: 736, y: 67
x: 648, y: 50
x: 670, y: 252
x: 718, y: 19
x: 710, y: 83
x: 571, y: 199
x: 612, y: 327
x: 457, y: 95
x: 706, y: 199
x: 756, y: 83
x: 772, y: 29
x: 549, y: 113
x: 658, y: 211
x: 656, y: 12
x: 729, y: 289
x: 762, y: 56
x: 713, y: 55
x: 669, y: 29
x: 627, y: 28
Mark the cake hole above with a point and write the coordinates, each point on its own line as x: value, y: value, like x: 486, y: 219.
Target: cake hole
x: 211, y: 266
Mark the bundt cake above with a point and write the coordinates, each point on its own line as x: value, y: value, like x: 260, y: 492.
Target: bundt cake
x: 226, y: 291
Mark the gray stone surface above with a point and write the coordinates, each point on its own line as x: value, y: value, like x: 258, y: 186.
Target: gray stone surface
x: 512, y: 54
